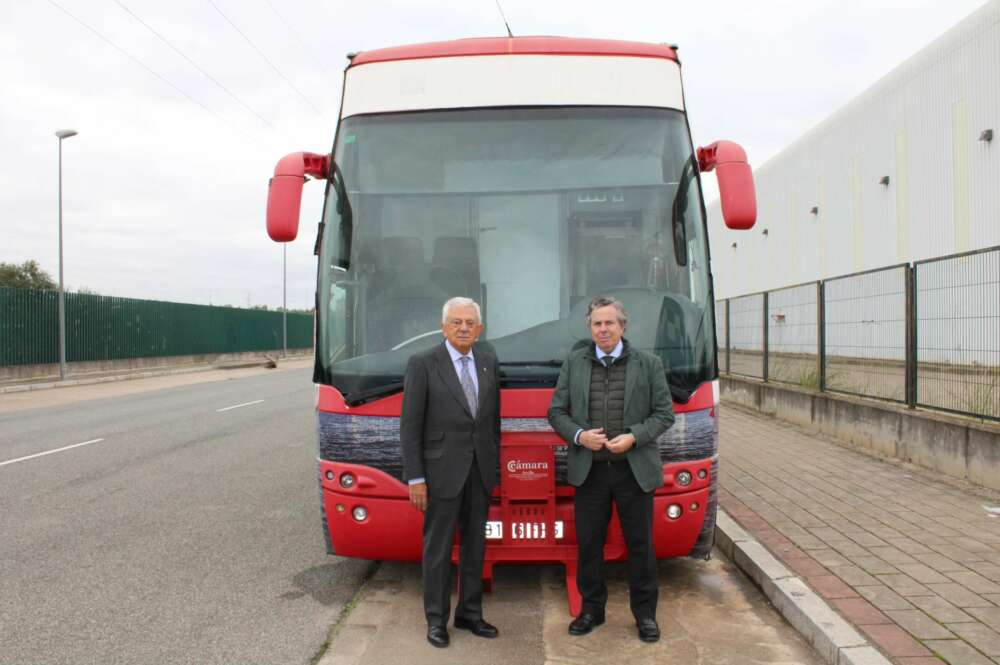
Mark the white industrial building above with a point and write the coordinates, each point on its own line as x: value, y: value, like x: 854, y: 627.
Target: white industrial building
x: 904, y: 172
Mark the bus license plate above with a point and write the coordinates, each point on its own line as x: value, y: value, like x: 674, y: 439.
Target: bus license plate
x: 521, y: 530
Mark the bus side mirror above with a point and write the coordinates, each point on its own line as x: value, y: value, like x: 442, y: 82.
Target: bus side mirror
x: 736, y: 191
x: 284, y: 192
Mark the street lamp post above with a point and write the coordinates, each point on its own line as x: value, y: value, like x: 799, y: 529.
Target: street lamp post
x: 284, y: 298
x: 62, y: 134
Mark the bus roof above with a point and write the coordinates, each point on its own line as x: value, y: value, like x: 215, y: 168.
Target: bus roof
x: 517, y: 46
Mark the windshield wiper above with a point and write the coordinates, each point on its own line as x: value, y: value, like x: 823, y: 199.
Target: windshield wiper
x: 678, y: 210
x: 354, y: 399
x: 346, y: 212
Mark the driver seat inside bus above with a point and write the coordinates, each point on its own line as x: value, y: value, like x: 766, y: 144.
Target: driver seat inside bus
x: 403, y: 301
x: 456, y: 266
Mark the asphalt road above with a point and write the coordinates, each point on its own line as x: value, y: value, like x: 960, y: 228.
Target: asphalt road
x: 182, y: 532
x: 176, y: 520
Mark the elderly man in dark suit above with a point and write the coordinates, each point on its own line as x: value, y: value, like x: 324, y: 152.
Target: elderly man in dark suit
x: 610, y: 404
x: 450, y: 433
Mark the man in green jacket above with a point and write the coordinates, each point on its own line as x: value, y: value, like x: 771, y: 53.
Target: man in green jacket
x: 610, y: 405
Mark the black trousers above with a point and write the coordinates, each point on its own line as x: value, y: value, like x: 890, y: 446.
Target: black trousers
x: 605, y: 483
x: 467, y: 511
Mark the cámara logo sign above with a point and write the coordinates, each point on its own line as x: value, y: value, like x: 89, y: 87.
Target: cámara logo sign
x: 515, y: 465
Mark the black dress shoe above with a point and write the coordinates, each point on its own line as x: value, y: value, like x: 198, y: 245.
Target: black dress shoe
x: 585, y: 623
x: 437, y: 636
x: 648, y: 630
x: 479, y: 627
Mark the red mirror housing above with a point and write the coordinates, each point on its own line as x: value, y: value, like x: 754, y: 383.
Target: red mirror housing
x: 736, y: 191
x: 284, y: 192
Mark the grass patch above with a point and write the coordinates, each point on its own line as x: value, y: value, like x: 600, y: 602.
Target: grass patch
x: 346, y: 611
x: 981, y: 396
x: 809, y: 378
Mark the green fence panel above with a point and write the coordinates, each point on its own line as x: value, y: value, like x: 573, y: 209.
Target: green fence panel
x: 29, y: 326
x: 110, y: 328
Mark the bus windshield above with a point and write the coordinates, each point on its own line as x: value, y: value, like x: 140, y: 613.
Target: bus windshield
x: 529, y: 211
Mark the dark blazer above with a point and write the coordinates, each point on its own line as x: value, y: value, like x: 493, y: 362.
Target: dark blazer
x: 438, y: 433
x: 648, y: 413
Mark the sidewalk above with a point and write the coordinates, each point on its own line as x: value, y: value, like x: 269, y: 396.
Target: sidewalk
x: 81, y: 390
x: 700, y: 604
x: 126, y: 374
x: 911, y: 561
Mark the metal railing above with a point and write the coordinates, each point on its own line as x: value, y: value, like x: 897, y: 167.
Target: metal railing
x: 923, y: 334
x: 108, y: 328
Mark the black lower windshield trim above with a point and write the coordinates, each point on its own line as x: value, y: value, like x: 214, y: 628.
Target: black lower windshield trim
x: 533, y: 363
x: 680, y: 395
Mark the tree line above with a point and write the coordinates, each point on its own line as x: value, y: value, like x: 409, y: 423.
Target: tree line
x: 30, y: 275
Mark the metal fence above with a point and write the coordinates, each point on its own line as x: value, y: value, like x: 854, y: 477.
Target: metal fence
x: 924, y: 334
x: 792, y: 337
x: 745, y: 335
x: 107, y: 328
x: 957, y: 298
x: 866, y: 333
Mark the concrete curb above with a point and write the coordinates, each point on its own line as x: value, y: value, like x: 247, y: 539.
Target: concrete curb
x: 145, y: 374
x: 834, y: 639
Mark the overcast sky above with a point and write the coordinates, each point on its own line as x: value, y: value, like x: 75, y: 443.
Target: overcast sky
x: 165, y: 186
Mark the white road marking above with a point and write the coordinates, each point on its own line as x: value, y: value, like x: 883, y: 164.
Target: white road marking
x: 237, y: 406
x: 49, y: 452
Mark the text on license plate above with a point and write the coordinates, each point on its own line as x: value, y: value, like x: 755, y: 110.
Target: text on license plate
x: 522, y: 530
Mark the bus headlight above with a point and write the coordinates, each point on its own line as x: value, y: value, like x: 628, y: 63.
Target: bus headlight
x: 702, y: 474
x: 684, y: 478
x: 347, y: 480
x: 673, y: 511
x: 360, y: 513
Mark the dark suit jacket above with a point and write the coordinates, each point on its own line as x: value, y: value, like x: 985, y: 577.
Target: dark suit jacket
x: 438, y: 433
x: 648, y: 413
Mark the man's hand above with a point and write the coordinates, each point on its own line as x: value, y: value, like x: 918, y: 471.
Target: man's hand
x: 593, y: 439
x: 418, y: 496
x: 621, y: 443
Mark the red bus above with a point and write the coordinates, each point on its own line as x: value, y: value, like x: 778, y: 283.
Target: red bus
x: 530, y: 174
